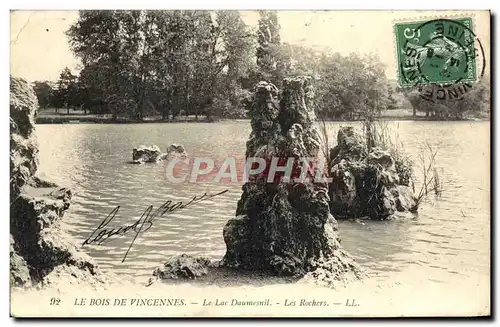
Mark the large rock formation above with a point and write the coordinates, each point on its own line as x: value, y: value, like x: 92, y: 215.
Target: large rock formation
x: 153, y: 154
x: 23, y: 145
x: 367, y: 183
x: 38, y: 246
x: 285, y: 228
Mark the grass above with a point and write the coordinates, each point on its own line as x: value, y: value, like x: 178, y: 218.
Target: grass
x: 432, y: 182
x: 377, y: 134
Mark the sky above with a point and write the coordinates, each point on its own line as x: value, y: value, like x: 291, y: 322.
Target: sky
x: 39, y: 48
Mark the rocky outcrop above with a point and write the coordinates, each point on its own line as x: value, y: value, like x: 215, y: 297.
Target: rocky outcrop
x: 367, y: 183
x: 153, y: 154
x: 176, y: 149
x: 183, y: 267
x: 144, y: 154
x: 19, y: 272
x: 38, y: 246
x: 23, y: 145
x: 37, y: 237
x: 285, y: 227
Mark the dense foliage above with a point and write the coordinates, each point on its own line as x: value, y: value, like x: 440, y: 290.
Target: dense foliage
x: 474, y: 103
x: 136, y: 64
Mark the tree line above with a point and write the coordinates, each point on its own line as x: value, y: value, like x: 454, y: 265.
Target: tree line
x: 143, y: 63
x: 457, y: 101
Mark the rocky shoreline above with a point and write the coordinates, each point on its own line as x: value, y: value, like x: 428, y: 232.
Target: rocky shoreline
x: 40, y: 252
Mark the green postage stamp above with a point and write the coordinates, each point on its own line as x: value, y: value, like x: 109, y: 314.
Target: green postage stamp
x: 439, y: 51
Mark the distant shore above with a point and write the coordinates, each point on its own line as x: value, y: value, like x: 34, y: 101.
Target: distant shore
x: 101, y: 120
x: 91, y: 119
x: 78, y: 117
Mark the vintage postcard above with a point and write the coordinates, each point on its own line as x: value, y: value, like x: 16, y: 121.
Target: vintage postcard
x: 194, y: 163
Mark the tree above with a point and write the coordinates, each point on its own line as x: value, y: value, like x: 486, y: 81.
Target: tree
x: 392, y: 102
x: 232, y: 56
x: 91, y: 85
x: 98, y: 38
x: 347, y: 87
x: 66, y: 93
x: 182, y: 70
x: 268, y: 48
x: 163, y: 61
x: 45, y: 92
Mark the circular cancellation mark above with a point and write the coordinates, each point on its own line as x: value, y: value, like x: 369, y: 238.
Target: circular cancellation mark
x: 440, y: 57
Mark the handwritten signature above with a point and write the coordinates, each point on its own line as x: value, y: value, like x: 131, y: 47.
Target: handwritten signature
x: 143, y: 224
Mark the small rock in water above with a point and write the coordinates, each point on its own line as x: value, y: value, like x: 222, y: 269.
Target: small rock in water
x: 153, y: 154
x: 176, y: 148
x: 183, y: 267
x: 144, y: 154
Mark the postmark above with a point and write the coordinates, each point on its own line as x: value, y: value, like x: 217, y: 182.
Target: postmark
x: 442, y: 57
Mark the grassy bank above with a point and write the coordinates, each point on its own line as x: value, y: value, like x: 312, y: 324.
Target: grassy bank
x: 92, y: 119
x: 51, y: 116
x: 61, y: 116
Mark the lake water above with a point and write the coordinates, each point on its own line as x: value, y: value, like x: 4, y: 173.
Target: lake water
x: 450, y: 237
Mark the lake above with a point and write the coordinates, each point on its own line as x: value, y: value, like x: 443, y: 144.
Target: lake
x: 450, y: 237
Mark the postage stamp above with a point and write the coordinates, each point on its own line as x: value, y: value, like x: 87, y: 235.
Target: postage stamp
x: 223, y: 163
x: 439, y: 51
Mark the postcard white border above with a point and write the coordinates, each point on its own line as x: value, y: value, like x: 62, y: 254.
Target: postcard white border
x: 194, y: 4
